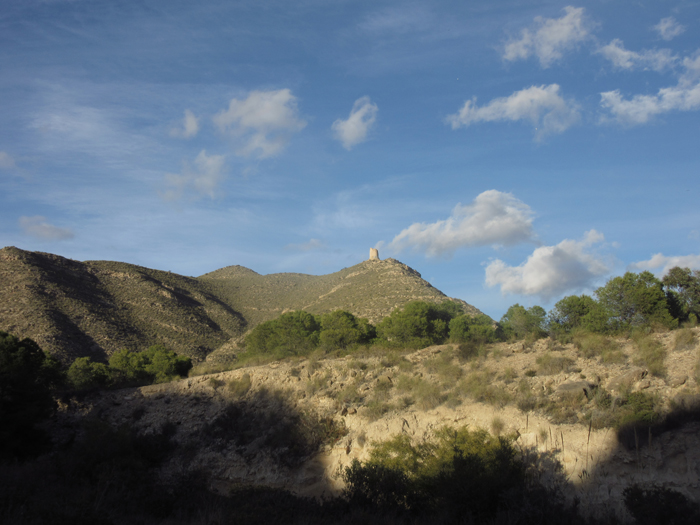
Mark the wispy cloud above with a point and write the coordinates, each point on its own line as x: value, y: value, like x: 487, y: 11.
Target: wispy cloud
x: 354, y: 129
x: 685, y: 96
x: 203, y: 177
x: 6, y: 161
x: 493, y: 217
x: 262, y: 123
x: 661, y: 264
x: 655, y: 59
x: 310, y: 245
x: 551, y: 270
x: 549, y: 38
x: 669, y: 28
x: 189, y: 128
x: 543, y: 106
x: 37, y: 226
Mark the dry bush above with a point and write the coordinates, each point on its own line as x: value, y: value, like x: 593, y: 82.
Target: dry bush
x: 239, y: 387
x: 426, y: 395
x: 684, y: 339
x: 550, y: 364
x: 479, y: 386
x: 651, y: 354
x: 443, y: 366
x: 596, y: 345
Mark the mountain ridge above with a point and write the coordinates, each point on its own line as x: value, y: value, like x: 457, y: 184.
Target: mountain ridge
x: 94, y: 308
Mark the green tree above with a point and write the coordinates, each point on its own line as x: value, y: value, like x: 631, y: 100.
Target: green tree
x: 684, y: 287
x: 520, y: 322
x: 293, y: 333
x: 479, y: 329
x: 417, y: 325
x: 156, y: 364
x: 635, y: 300
x: 27, y: 375
x: 84, y: 374
x: 341, y: 330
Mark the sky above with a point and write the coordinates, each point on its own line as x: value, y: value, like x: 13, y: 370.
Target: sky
x: 511, y: 152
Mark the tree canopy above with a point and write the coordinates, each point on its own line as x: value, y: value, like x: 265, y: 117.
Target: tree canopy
x: 27, y: 375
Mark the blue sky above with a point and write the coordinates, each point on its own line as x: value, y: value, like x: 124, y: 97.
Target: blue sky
x: 514, y: 151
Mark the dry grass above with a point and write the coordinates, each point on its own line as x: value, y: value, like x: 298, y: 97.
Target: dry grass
x: 684, y: 339
x: 549, y: 364
x: 239, y: 387
x: 651, y: 354
x: 596, y: 345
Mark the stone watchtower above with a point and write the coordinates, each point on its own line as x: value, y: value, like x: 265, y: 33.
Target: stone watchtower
x: 373, y: 254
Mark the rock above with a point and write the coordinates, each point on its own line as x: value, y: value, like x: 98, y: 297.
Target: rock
x: 641, y: 385
x: 576, y: 387
x: 627, y: 379
x: 677, y: 381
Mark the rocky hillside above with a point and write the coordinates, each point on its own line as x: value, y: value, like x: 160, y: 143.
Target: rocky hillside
x: 74, y: 309
x: 263, y: 425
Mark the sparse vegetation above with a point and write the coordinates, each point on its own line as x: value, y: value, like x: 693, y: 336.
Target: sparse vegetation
x: 549, y: 364
x: 239, y: 387
x: 651, y: 354
x: 684, y: 339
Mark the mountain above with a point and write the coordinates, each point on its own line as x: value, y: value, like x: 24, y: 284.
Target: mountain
x: 94, y: 308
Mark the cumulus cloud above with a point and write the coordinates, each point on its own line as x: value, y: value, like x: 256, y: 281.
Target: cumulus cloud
x: 543, y: 106
x: 190, y: 126
x: 660, y: 264
x: 639, y: 109
x: 551, y: 270
x: 6, y: 161
x: 669, y: 28
x: 354, y: 130
x: 493, y: 217
x: 37, y: 226
x: 654, y: 59
x: 203, y: 177
x: 262, y: 123
x: 311, y: 245
x: 550, y: 38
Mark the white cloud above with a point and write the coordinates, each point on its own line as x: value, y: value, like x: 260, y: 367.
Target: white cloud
x: 655, y: 59
x: 203, y: 178
x: 6, y: 161
x: 38, y: 227
x: 354, y: 130
x: 685, y: 96
x: 550, y: 38
x: 493, y: 218
x: 541, y: 105
x: 669, y: 28
x: 660, y: 264
x: 190, y: 126
x: 311, y: 245
x: 263, y: 122
x: 551, y: 270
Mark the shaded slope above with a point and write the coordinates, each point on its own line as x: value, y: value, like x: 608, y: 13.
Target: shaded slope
x: 371, y: 289
x: 75, y: 309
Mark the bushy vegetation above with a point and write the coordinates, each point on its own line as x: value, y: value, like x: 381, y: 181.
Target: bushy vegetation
x: 156, y: 364
x: 27, y: 375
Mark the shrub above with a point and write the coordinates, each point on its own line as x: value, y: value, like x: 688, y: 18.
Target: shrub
x: 239, y: 387
x: 651, y: 354
x: 465, y: 473
x: 550, y: 364
x: 479, y: 386
x: 684, y: 339
x: 654, y: 504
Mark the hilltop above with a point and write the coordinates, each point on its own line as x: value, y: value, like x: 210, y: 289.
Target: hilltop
x: 94, y: 308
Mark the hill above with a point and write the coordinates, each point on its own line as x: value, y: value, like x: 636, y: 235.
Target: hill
x: 94, y: 308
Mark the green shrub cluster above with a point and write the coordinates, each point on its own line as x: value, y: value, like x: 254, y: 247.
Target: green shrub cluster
x: 156, y: 364
x: 462, y: 472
